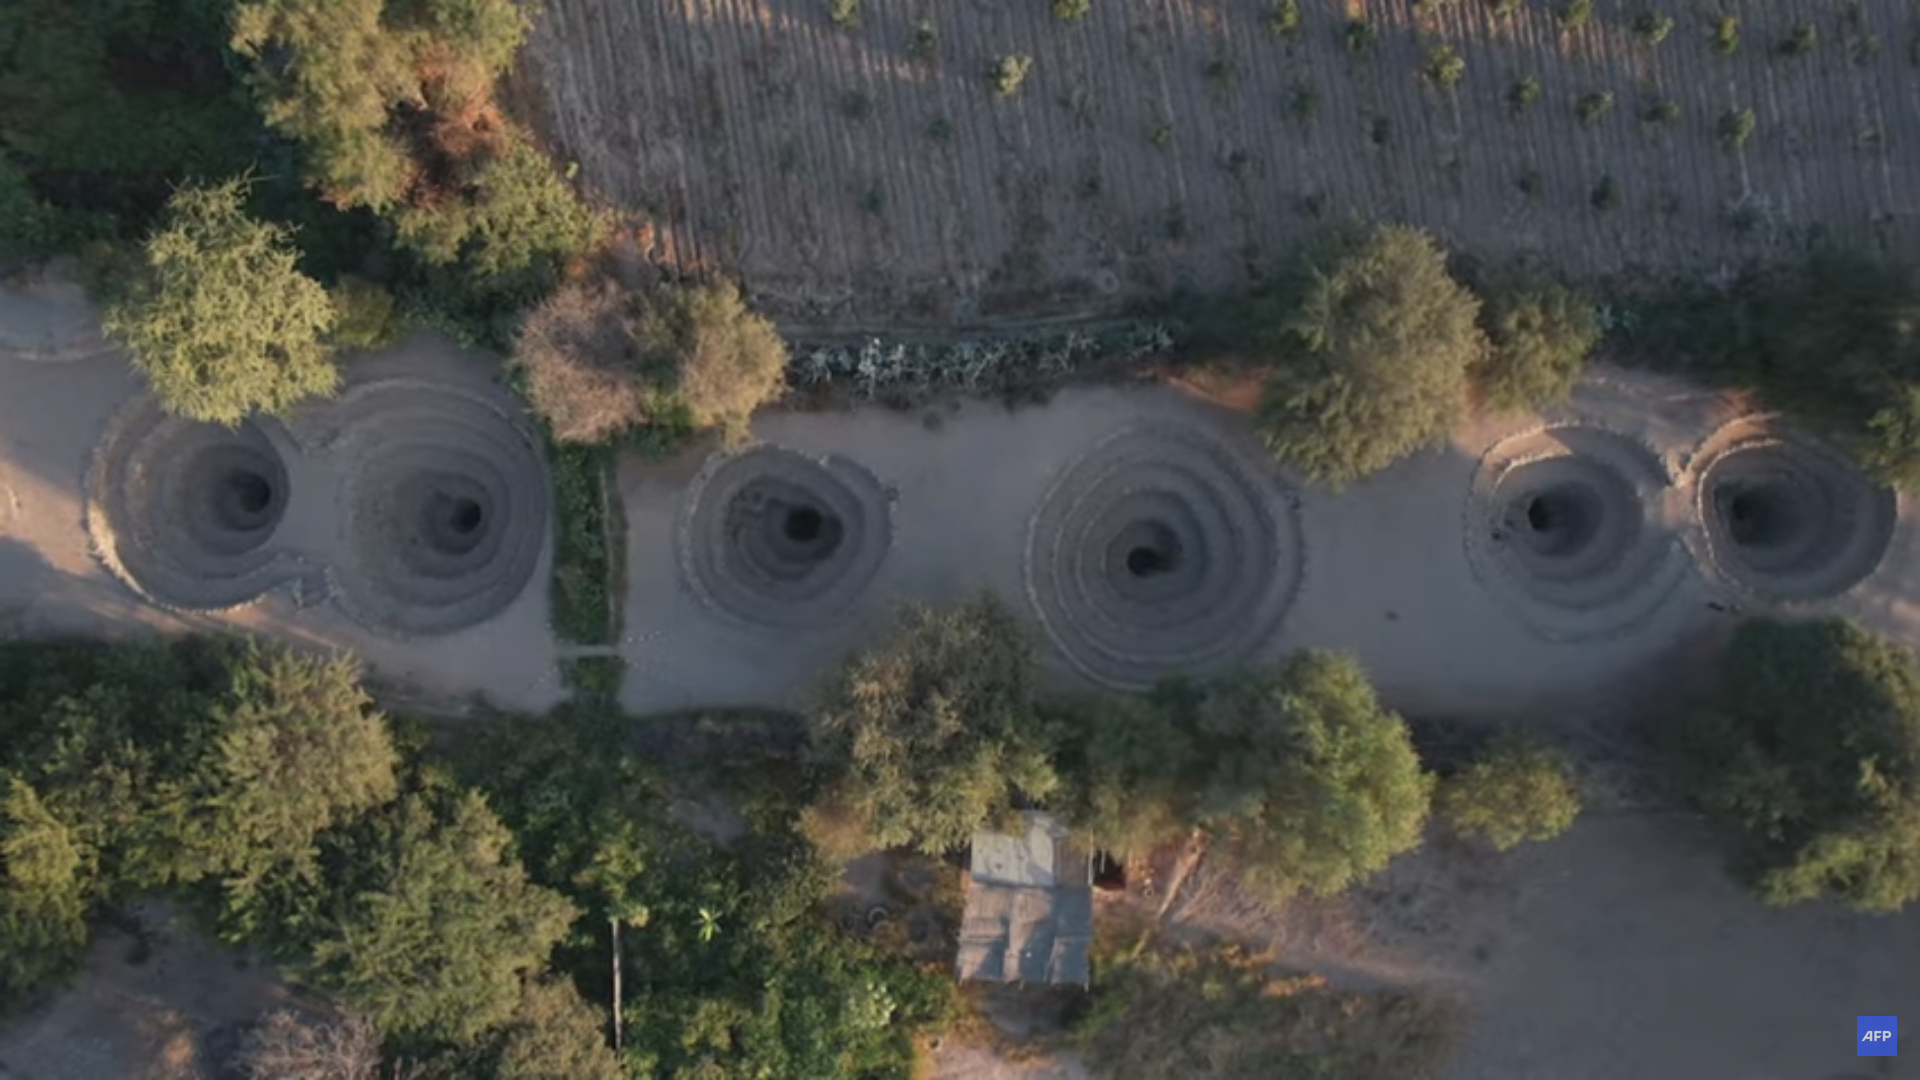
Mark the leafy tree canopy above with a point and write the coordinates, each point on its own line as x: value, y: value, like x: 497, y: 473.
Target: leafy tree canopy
x: 1129, y: 770
x: 930, y: 735
x: 555, y: 1035
x: 720, y: 358
x: 44, y: 882
x: 1515, y: 790
x: 1371, y: 342
x: 1539, y: 339
x: 220, y: 319
x: 1325, y: 787
x: 434, y: 923
x: 1812, y: 748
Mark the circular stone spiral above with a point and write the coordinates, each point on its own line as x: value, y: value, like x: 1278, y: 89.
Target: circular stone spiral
x: 773, y: 538
x: 1562, y: 527
x: 184, y: 512
x: 1788, y: 521
x: 1158, y: 554
x: 443, y: 505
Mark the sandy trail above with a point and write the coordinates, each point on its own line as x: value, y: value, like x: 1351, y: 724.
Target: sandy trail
x: 52, y: 418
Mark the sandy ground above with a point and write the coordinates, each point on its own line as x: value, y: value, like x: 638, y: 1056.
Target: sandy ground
x: 164, y: 1008
x: 51, y: 415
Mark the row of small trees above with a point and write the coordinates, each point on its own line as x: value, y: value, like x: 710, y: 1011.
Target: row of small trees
x: 1810, y: 750
x: 1297, y: 768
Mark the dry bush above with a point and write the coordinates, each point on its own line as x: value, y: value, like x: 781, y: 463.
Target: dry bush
x: 577, y: 355
x: 293, y: 1046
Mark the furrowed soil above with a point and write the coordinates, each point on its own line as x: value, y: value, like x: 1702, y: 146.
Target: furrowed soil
x: 869, y: 175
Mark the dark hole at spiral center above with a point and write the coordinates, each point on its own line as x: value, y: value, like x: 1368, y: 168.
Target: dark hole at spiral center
x: 251, y: 493
x: 1760, y: 516
x: 802, y: 524
x: 464, y: 516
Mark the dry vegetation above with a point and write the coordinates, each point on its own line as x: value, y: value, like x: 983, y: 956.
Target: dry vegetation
x: 1179, y: 142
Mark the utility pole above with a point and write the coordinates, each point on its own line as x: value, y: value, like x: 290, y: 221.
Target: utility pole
x: 619, y: 1028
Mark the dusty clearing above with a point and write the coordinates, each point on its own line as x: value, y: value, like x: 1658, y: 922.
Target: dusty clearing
x: 869, y: 175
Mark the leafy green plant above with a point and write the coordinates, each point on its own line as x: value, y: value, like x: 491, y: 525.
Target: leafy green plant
x: 1735, y: 128
x: 1444, y: 67
x: 219, y: 317
x: 1574, y: 14
x: 1591, y: 107
x: 1071, y: 10
x: 1524, y: 93
x: 1008, y: 72
x: 844, y: 14
x: 1360, y: 35
x: 1284, y: 19
x: 1653, y: 27
x: 1504, y: 8
x: 1800, y: 41
x: 924, y: 45
x: 1726, y: 35
x: 583, y: 610
x: 1662, y: 112
x: 1514, y: 791
x: 1539, y: 337
x: 1303, y: 102
x: 1162, y: 134
x: 1370, y: 341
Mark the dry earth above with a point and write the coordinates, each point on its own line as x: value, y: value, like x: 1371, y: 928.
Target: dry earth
x: 161, y: 1006
x: 853, y: 179
x: 52, y: 416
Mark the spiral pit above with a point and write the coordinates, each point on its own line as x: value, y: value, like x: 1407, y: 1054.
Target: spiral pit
x: 775, y: 539
x: 444, y: 505
x: 1788, y: 521
x: 1157, y: 554
x: 1563, y: 526
x: 185, y: 513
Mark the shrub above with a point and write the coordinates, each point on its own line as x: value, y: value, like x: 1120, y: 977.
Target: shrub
x: 1524, y: 92
x: 1591, y: 107
x: 1370, y: 341
x: 1284, y: 19
x: 1574, y: 14
x: 719, y: 359
x: 1811, y: 748
x: 1538, y: 338
x: 46, y: 872
x: 1890, y: 449
x: 1071, y: 10
x: 1514, y: 791
x: 1800, y: 41
x: 366, y: 319
x: 930, y: 735
x: 578, y: 363
x: 1653, y: 26
x: 1128, y: 770
x: 1008, y: 72
x: 845, y: 14
x: 1303, y: 102
x: 924, y: 45
x: 1360, y: 35
x: 1325, y: 788
x: 219, y: 318
x: 1663, y: 112
x: 1444, y: 67
x: 555, y: 1035
x: 291, y: 1046
x: 1503, y: 8
x: 1735, y: 128
x: 1726, y: 35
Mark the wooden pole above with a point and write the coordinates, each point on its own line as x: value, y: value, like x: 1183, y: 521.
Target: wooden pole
x: 619, y: 1028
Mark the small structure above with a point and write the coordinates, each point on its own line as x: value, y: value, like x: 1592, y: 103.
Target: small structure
x: 1029, y: 910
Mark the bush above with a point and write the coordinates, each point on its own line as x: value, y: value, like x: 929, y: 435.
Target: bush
x: 1591, y: 107
x: 1514, y: 791
x: 1524, y: 93
x: 1801, y: 41
x: 1128, y: 771
x: 1574, y: 14
x: 1811, y: 748
x: 1444, y: 67
x: 1653, y: 26
x: 720, y: 359
x: 1726, y: 35
x: 1071, y: 10
x: 46, y: 872
x: 1663, y: 112
x: 555, y: 1035
x: 365, y: 317
x: 1325, y: 788
x: 1539, y: 338
x: 931, y: 735
x: 1735, y: 128
x: 579, y: 365
x: 1284, y: 19
x: 1890, y: 449
x: 583, y: 611
x: 219, y: 318
x: 1371, y: 341
x: 291, y: 1046
x: 1008, y: 72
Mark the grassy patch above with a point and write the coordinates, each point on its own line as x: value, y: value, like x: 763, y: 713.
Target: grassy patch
x: 593, y: 677
x: 1225, y: 1014
x: 584, y: 540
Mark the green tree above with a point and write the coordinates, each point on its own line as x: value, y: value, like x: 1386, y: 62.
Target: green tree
x: 1539, y: 339
x: 720, y: 358
x: 1128, y: 771
x: 929, y: 736
x: 1324, y: 787
x: 555, y: 1035
x: 1515, y: 790
x: 220, y: 319
x: 1812, y: 748
x: 44, y: 881
x: 1371, y: 341
x: 431, y: 923
x: 296, y: 748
